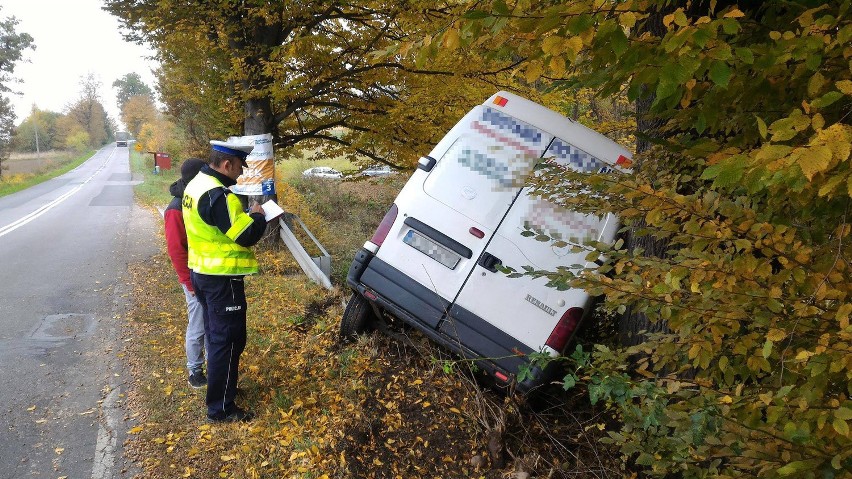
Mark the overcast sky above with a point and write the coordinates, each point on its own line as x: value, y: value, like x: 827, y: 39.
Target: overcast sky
x: 72, y: 38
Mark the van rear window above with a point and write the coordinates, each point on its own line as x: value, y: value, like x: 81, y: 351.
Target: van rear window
x: 502, y: 148
x: 569, y: 156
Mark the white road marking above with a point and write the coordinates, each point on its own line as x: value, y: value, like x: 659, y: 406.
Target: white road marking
x: 104, y: 459
x: 44, y: 209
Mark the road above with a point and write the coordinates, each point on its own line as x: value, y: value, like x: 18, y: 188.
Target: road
x: 64, y: 249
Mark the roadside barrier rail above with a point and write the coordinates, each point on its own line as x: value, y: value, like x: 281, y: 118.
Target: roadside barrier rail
x: 317, y: 268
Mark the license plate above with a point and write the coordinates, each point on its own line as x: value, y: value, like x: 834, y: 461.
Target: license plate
x: 431, y: 249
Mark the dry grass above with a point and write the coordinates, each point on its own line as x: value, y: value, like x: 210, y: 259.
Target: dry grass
x: 25, y: 170
x: 32, y: 163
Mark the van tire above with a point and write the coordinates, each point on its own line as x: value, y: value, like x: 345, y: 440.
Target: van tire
x: 358, y: 318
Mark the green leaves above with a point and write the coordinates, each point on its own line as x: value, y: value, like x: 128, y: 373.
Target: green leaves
x: 720, y: 73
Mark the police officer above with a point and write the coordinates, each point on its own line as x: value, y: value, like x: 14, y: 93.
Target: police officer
x: 219, y: 233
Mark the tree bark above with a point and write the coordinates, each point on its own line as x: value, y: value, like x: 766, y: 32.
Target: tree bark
x: 633, y: 327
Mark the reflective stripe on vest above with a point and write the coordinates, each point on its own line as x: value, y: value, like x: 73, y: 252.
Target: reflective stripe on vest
x: 211, y: 251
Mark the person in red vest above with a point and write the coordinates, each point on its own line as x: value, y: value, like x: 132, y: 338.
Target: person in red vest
x: 178, y: 252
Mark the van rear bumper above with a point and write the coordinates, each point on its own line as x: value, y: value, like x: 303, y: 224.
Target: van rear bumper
x: 451, y: 326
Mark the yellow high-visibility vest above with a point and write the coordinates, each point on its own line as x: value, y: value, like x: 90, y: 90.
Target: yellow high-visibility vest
x: 211, y: 251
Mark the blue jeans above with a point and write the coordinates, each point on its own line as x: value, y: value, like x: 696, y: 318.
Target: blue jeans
x: 194, y: 342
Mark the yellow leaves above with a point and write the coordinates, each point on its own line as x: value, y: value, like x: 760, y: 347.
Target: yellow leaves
x: 776, y: 335
x: 842, y: 315
x: 843, y: 413
x: 673, y: 386
x: 761, y: 127
x: 135, y: 430
x: 678, y: 18
x: 815, y: 84
x: 533, y: 71
x: 813, y: 160
x: 818, y: 122
x: 31, y: 408
x: 552, y: 45
x: 451, y: 39
x: 627, y: 19
x: 787, y: 128
x: 844, y: 86
x: 841, y: 426
x: 59, y: 450
x: 735, y: 13
x: 560, y: 48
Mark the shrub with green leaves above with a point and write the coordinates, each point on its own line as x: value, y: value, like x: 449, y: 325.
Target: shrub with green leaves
x: 749, y: 187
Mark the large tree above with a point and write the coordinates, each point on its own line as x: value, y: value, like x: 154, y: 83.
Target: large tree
x: 305, y: 72
x: 128, y: 86
x: 89, y: 112
x: 137, y: 111
x: 12, y: 47
x: 39, y: 131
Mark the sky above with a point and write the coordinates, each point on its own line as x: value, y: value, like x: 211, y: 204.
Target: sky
x: 72, y: 38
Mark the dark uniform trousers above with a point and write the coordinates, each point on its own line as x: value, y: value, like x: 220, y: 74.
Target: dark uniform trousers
x: 223, y: 300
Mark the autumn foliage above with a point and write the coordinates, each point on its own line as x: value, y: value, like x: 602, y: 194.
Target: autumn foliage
x: 743, y: 174
x: 749, y: 185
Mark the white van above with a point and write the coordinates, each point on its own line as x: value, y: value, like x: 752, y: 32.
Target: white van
x: 433, y: 259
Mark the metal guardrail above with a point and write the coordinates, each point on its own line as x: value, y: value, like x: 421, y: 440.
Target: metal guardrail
x: 318, y: 268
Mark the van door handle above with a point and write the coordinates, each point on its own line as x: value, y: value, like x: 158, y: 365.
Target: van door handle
x: 489, y: 262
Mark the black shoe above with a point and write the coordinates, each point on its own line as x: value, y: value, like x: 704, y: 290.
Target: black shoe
x: 237, y: 415
x: 197, y: 380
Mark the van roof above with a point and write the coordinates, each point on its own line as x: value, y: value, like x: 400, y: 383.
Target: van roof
x: 548, y: 120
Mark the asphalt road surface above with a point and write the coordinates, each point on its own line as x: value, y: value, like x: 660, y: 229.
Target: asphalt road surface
x: 64, y: 249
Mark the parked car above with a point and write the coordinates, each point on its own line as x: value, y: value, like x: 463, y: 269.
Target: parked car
x: 378, y: 170
x: 322, y: 172
x: 433, y: 260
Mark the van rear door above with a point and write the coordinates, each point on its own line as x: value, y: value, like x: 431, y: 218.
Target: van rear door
x: 479, y: 171
x: 505, y: 316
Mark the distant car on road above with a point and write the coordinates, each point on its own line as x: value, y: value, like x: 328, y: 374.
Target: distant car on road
x: 322, y: 172
x: 377, y: 170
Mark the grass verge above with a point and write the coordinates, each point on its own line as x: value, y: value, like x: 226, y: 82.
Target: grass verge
x: 384, y: 407
x: 61, y: 165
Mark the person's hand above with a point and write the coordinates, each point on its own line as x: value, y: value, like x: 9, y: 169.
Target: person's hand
x: 256, y: 208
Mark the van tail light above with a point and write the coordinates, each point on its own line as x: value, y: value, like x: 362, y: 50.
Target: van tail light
x: 564, y: 329
x: 385, y: 226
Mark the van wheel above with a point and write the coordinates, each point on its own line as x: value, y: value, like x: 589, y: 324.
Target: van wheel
x: 358, y: 318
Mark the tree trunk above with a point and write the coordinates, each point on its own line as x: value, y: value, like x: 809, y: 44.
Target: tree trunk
x: 258, y: 121
x: 634, y: 326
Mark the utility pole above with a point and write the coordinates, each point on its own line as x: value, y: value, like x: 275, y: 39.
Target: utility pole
x: 35, y: 127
